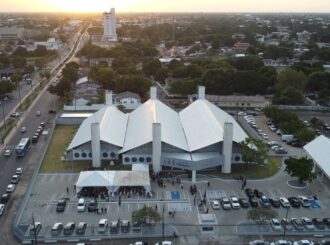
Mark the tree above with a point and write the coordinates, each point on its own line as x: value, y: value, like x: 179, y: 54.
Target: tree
x: 254, y: 150
x: 301, y: 168
x: 20, y: 51
x: 151, y: 67
x: 261, y: 214
x: 162, y: 74
x: 306, y: 134
x: 184, y: 87
x: 106, y: 77
x: 218, y: 81
x: 145, y: 216
x: 317, y: 81
x: 41, y: 51
x: 248, y: 63
x: 317, y: 122
x: 291, y: 78
x: 6, y: 87
x: 19, y: 62
x: 288, y: 96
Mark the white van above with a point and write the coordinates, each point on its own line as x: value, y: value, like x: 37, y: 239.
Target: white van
x: 23, y: 129
x: 81, y: 205
x: 287, y: 138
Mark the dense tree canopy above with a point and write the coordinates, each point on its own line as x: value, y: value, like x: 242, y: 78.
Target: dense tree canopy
x: 301, y: 168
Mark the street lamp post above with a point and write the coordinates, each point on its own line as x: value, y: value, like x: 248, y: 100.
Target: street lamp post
x: 4, y: 123
x: 286, y: 219
x: 163, y: 224
x: 19, y: 92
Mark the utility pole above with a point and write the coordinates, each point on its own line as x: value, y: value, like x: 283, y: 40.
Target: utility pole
x: 173, y: 30
x: 34, y: 230
x: 286, y: 219
x: 4, y: 123
x: 163, y: 224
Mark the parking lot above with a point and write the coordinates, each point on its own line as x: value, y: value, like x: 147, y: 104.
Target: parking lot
x: 50, y: 188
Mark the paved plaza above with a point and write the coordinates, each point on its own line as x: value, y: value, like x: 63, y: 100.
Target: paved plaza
x: 49, y: 188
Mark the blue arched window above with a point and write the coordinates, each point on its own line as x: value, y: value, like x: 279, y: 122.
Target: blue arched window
x: 134, y: 159
x: 84, y: 155
x: 105, y: 154
x: 113, y: 155
x: 148, y: 159
x: 76, y: 155
x: 126, y: 159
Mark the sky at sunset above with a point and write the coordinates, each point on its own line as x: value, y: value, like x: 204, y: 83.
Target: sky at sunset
x: 165, y: 5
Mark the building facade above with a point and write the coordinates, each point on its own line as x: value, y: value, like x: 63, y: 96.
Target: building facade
x: 109, y: 25
x: 199, y: 137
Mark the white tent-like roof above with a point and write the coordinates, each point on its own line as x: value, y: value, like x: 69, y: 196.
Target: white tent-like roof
x: 112, y: 125
x: 139, y: 128
x: 203, y: 123
x: 95, y: 179
x: 319, y: 150
x: 113, y: 179
x: 197, y: 126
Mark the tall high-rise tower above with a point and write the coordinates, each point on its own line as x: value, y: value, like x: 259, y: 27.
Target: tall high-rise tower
x: 109, y: 23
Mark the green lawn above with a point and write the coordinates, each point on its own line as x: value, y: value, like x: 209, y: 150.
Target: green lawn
x: 62, y: 137
x: 255, y: 171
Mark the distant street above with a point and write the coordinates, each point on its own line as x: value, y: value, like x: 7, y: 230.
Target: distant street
x: 9, y: 164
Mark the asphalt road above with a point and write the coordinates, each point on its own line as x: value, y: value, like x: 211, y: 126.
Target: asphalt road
x: 8, y: 165
x: 14, y: 100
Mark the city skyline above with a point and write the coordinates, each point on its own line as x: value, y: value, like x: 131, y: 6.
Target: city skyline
x: 166, y: 6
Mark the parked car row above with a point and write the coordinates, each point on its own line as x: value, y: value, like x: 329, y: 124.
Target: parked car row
x: 301, y: 224
x: 285, y: 242
x: 10, y: 188
x: 104, y: 226
x: 251, y: 121
x: 257, y: 197
x: 38, y: 132
x: 81, y: 206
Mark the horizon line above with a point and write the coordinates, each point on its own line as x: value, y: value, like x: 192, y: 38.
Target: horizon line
x: 164, y: 12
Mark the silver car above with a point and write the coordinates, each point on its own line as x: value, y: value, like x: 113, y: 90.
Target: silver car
x: 225, y: 202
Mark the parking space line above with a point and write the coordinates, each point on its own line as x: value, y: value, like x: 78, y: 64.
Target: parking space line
x: 281, y: 194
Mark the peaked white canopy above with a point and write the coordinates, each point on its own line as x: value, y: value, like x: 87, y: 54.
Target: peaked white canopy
x: 319, y: 150
x: 113, y: 124
x: 197, y: 126
x: 203, y: 124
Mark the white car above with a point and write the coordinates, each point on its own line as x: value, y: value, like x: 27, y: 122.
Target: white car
x: 14, y: 114
x: 7, y: 153
x: 275, y: 147
x: 2, y: 208
x: 275, y: 223
x: 303, y: 242
x: 281, y: 242
x: 164, y: 243
x: 14, y: 179
x: 258, y: 242
x: 285, y: 202
x: 10, y: 188
x: 234, y: 202
x: 103, y: 225
x: 308, y: 223
x: 225, y: 202
x: 265, y: 136
x: 81, y: 205
x: 215, y: 205
x: 241, y: 113
x: 304, y: 201
x: 19, y: 171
